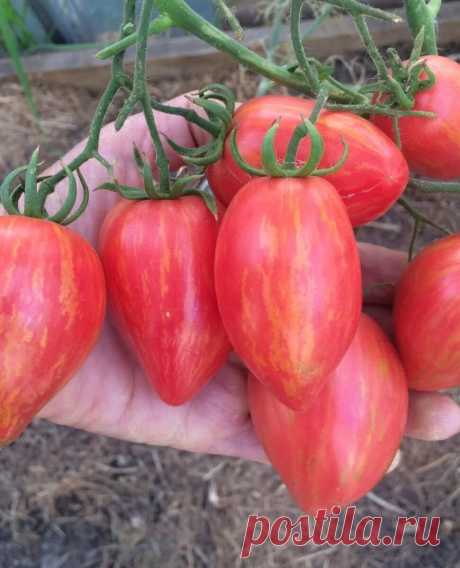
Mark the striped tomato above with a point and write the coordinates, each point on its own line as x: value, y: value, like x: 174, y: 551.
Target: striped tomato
x: 288, y: 283
x: 432, y: 145
x: 371, y: 180
x: 52, y: 306
x: 158, y: 257
x: 427, y: 317
x: 336, y: 451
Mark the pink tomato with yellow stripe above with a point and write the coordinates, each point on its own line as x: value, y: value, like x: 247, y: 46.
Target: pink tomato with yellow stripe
x: 374, y: 175
x: 341, y: 446
x: 288, y: 283
x: 427, y: 317
x: 52, y: 307
x: 432, y: 145
x: 158, y: 258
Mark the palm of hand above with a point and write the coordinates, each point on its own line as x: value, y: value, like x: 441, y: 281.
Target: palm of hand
x: 110, y: 394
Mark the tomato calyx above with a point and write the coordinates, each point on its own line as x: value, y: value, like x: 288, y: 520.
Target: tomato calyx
x: 35, y: 191
x: 182, y: 184
x: 218, y: 102
x: 407, y: 78
x: 272, y: 167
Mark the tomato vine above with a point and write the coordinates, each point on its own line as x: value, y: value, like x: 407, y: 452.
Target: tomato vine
x: 391, y: 94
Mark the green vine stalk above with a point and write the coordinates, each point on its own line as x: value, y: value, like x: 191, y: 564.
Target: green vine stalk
x: 396, y: 85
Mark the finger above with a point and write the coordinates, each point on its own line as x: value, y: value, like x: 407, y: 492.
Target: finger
x: 432, y: 416
x: 216, y: 421
x: 382, y: 268
x: 117, y: 149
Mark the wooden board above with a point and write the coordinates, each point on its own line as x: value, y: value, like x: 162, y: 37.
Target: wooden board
x: 172, y: 58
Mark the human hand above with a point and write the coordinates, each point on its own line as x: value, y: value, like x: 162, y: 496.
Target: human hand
x: 110, y: 394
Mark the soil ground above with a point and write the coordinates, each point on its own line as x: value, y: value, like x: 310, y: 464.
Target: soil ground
x: 70, y: 499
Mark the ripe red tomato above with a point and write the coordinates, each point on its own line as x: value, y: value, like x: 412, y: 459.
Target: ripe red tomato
x: 288, y: 283
x: 158, y: 258
x: 432, y: 145
x: 52, y: 306
x: 427, y: 317
x: 340, y: 448
x: 371, y: 180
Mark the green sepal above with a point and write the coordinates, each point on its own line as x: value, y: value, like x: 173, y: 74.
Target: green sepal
x: 84, y: 203
x: 7, y: 191
x: 336, y: 167
x: 207, y: 196
x: 240, y: 160
x: 126, y: 191
x: 70, y: 200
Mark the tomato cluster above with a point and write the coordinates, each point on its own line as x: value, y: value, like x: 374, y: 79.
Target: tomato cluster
x: 328, y: 392
x: 277, y: 279
x: 280, y: 278
x: 288, y: 286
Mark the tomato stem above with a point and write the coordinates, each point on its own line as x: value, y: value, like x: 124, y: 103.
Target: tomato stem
x: 413, y: 240
x: 379, y: 109
x: 419, y: 220
x: 306, y: 66
x: 421, y: 217
x: 392, y: 85
x: 421, y: 15
x: 159, y: 25
x: 434, y: 186
x: 228, y: 15
x: 396, y: 130
x: 320, y: 103
x: 187, y: 19
x: 117, y: 81
x: 272, y: 44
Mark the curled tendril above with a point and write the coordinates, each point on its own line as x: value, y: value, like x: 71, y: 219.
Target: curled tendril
x: 218, y: 102
x: 35, y: 192
x: 273, y: 168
